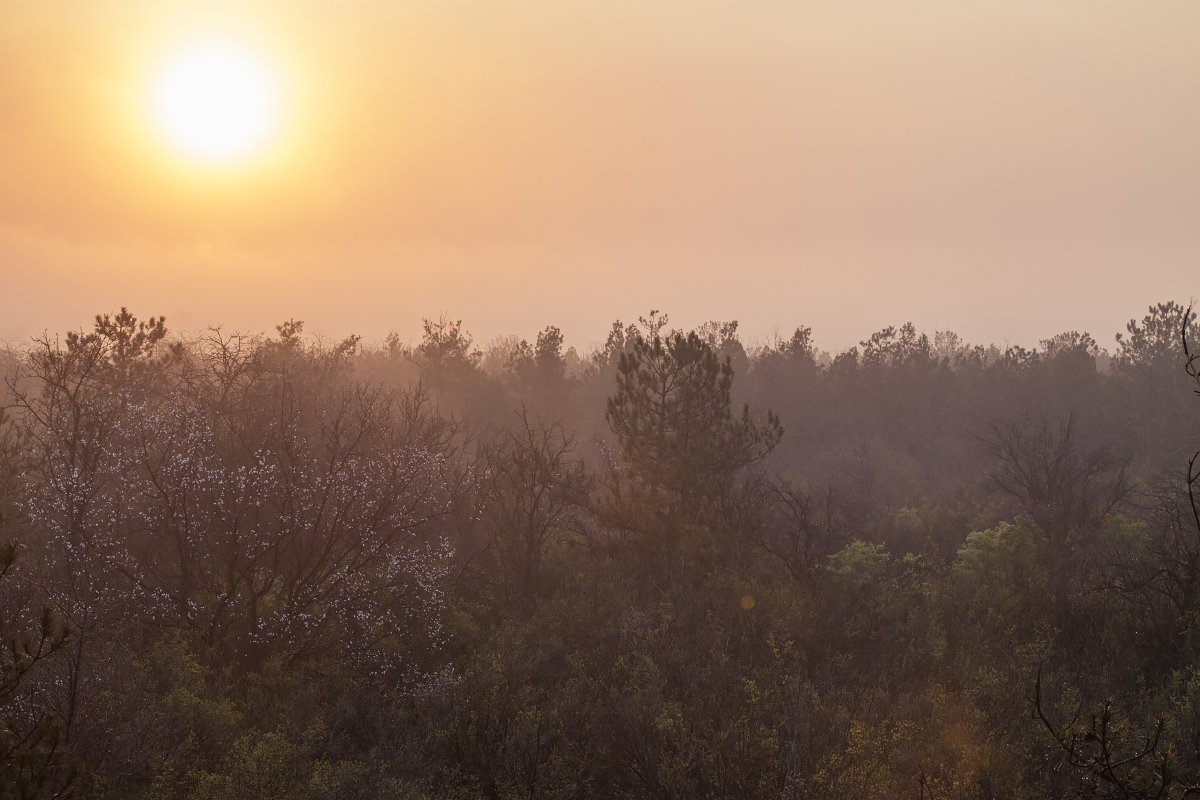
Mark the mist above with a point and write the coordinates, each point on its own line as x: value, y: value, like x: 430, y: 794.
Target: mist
x: 626, y: 400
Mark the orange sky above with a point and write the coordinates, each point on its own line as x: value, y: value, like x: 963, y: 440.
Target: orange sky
x: 1005, y: 170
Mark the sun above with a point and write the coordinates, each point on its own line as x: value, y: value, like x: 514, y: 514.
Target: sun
x: 216, y: 102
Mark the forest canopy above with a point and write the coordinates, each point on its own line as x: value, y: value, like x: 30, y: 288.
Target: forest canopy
x: 678, y: 566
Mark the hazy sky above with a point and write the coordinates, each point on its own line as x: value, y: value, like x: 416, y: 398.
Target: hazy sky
x: 1007, y: 170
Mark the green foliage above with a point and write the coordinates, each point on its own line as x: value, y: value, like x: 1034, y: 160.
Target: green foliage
x: 995, y: 551
x: 859, y: 563
x: 289, y: 572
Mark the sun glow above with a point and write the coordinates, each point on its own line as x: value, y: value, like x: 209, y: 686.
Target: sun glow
x: 216, y: 102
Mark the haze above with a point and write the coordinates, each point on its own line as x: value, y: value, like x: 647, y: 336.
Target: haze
x: 1003, y: 170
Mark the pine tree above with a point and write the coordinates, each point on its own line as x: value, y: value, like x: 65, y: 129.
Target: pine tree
x: 682, y: 447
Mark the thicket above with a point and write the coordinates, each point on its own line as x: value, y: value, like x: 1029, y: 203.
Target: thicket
x: 271, y: 566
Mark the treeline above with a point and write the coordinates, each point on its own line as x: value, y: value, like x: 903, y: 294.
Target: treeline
x: 272, y: 566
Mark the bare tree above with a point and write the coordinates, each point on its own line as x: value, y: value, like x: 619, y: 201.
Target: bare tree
x: 1114, y: 764
x: 1060, y: 487
x: 1192, y: 367
x: 535, y: 492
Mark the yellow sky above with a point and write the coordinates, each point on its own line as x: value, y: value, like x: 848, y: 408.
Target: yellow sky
x: 1006, y: 170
